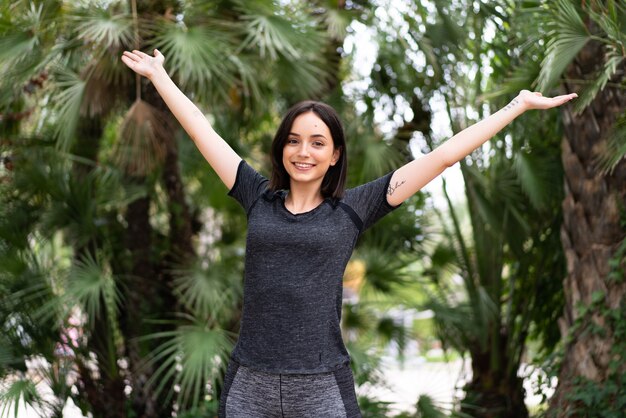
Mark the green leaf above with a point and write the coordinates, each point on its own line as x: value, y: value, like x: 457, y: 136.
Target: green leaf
x: 21, y: 390
x: 427, y: 408
x: 103, y: 27
x: 567, y: 36
x: 538, y: 178
x: 615, y: 150
x: 212, y: 292
x: 612, y: 62
x: 199, y: 56
x: 92, y: 286
x: 68, y: 103
x: 192, y: 356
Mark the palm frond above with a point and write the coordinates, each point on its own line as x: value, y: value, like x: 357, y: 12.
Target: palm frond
x: 26, y: 29
x: 72, y: 208
x: 12, y: 394
x: 192, y: 356
x: 144, y: 133
x: 211, y: 293
x: 21, y: 34
x: 443, y: 261
x: 300, y: 79
x: 388, y: 329
x: 249, y: 77
x: 16, y: 46
x: 6, y: 355
x: 538, y: 178
x: 356, y: 317
x: 94, y: 289
x: 102, y: 27
x: 67, y: 105
x: 337, y: 22
x: 612, y: 62
x: 615, y: 150
x: 112, y: 192
x: 274, y: 35
x: 520, y: 78
x: 427, y: 408
x: 568, y: 35
x: 383, y: 271
x: 370, y: 156
x: 32, y: 274
x: 610, y: 20
x: 198, y: 56
x: 455, y: 324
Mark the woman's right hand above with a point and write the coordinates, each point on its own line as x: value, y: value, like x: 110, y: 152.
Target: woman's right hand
x: 142, y: 63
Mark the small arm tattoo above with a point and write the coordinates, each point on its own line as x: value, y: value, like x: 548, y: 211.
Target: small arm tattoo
x: 511, y: 105
x: 393, y: 188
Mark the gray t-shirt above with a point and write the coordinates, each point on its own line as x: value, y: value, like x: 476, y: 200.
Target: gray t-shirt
x: 294, y: 274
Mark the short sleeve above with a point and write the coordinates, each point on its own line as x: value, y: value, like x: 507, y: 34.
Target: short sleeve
x: 248, y: 187
x: 369, y: 201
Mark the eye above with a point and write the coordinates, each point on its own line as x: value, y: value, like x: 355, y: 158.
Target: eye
x: 318, y: 143
x: 292, y: 141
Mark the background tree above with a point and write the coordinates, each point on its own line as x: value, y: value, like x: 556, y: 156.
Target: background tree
x: 120, y: 253
x: 585, y: 52
x: 440, y: 54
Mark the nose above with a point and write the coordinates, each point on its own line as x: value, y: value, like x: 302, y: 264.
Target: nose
x: 303, y: 150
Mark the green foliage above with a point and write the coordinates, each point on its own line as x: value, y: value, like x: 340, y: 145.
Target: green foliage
x: 616, y: 147
x: 372, y: 408
x: 198, y: 350
x: 90, y: 246
x: 427, y: 408
x: 571, y: 35
x: 18, y: 391
x: 506, y: 256
x: 605, y: 399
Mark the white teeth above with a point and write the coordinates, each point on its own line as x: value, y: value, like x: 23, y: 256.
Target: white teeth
x: 303, y: 165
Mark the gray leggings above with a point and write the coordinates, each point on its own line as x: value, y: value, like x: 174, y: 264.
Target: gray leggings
x: 250, y: 393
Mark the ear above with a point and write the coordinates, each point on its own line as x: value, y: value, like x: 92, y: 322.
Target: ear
x: 336, y: 155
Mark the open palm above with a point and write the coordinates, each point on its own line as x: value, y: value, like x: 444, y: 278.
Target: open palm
x: 536, y: 100
x: 142, y: 63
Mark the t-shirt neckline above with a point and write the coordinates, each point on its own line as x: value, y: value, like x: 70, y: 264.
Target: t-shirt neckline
x: 282, y: 194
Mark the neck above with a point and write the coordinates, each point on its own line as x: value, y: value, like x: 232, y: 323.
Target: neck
x: 302, y: 198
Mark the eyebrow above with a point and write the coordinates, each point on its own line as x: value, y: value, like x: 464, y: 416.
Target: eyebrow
x: 312, y: 136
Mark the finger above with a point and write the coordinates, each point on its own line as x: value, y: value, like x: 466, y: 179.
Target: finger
x: 157, y: 52
x: 131, y: 56
x: 567, y: 96
x: 538, y: 93
x: 560, y: 100
x: 141, y: 54
x: 129, y: 62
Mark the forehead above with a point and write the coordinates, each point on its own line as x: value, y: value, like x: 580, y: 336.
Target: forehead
x: 309, y: 123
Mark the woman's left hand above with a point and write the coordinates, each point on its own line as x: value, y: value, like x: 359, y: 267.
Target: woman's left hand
x: 535, y: 100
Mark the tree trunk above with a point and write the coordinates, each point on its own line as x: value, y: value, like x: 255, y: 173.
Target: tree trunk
x: 493, y: 391
x: 106, y: 393
x: 591, y: 232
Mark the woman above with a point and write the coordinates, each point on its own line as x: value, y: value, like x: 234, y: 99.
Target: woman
x: 290, y: 360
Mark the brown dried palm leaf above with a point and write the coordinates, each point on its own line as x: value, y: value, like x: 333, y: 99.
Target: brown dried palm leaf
x: 102, y: 87
x: 142, y: 143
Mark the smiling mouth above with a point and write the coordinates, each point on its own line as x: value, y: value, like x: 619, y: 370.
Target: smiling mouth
x: 303, y: 166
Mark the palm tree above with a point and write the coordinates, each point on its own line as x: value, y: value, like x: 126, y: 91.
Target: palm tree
x: 585, y: 51
x: 506, y: 257
x: 111, y: 212
x: 507, y: 268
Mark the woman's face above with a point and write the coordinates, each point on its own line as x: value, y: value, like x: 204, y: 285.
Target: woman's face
x: 309, y: 150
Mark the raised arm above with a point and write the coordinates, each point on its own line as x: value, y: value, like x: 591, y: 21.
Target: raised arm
x: 215, y: 150
x: 411, y: 177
